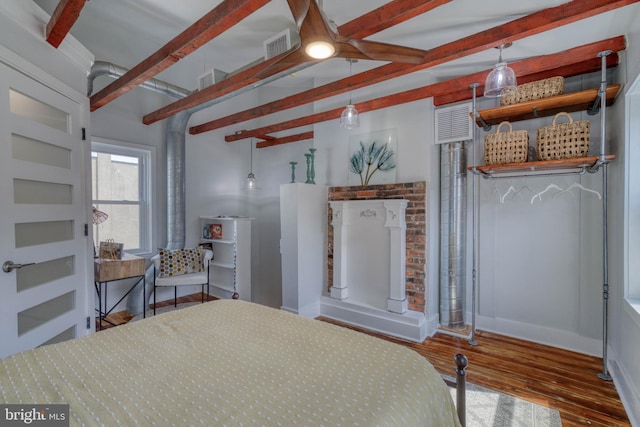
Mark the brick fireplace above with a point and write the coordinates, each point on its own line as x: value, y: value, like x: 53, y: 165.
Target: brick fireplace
x: 415, y: 194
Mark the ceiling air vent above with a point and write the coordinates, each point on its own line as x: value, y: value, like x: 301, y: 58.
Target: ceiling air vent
x: 454, y: 123
x: 210, y: 77
x: 278, y: 44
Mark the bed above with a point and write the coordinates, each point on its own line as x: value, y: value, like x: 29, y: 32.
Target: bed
x: 231, y: 363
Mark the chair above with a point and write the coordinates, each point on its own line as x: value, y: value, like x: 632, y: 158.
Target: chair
x: 199, y: 278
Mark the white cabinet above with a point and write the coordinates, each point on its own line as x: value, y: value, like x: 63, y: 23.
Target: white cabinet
x: 303, y: 246
x: 230, y: 270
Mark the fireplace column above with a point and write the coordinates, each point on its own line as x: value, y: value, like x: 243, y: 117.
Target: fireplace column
x: 396, y: 223
x: 339, y: 289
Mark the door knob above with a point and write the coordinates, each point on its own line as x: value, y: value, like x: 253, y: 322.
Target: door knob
x: 9, y: 266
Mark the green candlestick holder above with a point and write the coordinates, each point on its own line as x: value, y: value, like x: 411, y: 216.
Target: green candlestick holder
x: 293, y: 171
x: 312, y: 170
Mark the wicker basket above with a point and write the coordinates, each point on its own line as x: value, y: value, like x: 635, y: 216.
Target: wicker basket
x: 564, y: 140
x: 506, y: 147
x: 535, y: 90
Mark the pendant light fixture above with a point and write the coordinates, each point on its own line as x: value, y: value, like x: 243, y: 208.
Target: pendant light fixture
x: 501, y: 77
x: 251, y: 183
x: 350, y: 119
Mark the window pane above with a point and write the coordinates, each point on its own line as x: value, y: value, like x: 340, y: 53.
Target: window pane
x: 115, y: 177
x: 120, y: 176
x: 122, y: 226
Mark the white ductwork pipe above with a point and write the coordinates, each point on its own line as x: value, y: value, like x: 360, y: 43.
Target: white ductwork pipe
x: 453, y: 219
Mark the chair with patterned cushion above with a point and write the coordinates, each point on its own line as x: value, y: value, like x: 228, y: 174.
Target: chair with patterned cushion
x: 181, y: 267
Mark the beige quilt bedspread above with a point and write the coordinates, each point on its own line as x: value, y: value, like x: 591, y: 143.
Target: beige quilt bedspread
x: 231, y: 363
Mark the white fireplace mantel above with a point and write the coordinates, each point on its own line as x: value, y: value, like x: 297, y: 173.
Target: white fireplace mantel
x: 369, y: 252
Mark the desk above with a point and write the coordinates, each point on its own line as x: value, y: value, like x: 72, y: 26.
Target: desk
x: 109, y: 270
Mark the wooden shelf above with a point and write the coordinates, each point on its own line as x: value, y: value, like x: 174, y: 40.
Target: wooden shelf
x: 570, y: 102
x: 542, y: 166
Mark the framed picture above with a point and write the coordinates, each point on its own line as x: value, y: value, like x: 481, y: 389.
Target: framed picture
x: 372, y: 158
x: 216, y: 231
x: 111, y: 250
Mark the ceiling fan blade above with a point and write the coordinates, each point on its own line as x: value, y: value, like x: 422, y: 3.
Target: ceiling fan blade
x: 315, y: 25
x: 365, y: 49
x: 299, y: 9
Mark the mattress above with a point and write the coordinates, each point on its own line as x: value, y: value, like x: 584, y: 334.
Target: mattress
x: 231, y: 363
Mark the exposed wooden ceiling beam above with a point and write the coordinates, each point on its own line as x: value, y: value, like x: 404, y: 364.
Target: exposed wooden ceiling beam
x: 522, y: 68
x: 63, y: 18
x: 577, y: 69
x: 386, y: 16
x: 218, y: 20
x: 285, y: 139
x: 403, y: 8
x: 534, y: 23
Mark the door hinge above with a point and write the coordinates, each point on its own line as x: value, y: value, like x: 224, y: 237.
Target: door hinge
x: 86, y: 229
x: 88, y: 322
x: 84, y: 134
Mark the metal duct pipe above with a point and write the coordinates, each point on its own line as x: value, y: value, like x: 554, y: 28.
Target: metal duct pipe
x: 453, y: 219
x: 101, y: 68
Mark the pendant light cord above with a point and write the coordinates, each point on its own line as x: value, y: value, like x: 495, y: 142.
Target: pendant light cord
x: 350, y: 74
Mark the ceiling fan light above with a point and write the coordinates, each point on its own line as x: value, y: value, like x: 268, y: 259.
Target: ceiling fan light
x: 320, y: 49
x: 350, y: 118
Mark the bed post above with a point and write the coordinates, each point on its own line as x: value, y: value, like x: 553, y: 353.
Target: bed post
x: 461, y: 386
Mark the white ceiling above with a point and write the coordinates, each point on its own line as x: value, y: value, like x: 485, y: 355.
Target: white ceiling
x: 125, y: 32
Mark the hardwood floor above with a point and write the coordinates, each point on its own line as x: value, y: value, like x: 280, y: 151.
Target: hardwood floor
x: 552, y: 377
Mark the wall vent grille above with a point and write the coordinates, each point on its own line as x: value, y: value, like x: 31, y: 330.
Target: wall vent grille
x: 454, y: 123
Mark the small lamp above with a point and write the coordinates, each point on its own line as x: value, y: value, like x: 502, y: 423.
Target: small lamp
x: 350, y: 118
x: 501, y: 77
x: 251, y: 184
x: 97, y: 217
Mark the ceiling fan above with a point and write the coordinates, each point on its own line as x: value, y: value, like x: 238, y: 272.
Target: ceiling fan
x: 319, y: 40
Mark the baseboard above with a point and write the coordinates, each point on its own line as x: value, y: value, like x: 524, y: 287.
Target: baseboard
x: 411, y: 325
x: 541, y: 334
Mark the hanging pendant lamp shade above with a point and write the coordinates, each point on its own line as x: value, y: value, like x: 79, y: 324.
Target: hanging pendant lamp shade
x: 250, y: 183
x: 500, y: 78
x: 350, y: 118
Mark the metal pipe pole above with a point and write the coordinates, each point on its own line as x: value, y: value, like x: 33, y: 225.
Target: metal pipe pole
x: 605, y: 247
x: 474, y: 221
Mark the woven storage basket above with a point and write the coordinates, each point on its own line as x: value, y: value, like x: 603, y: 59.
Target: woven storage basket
x: 506, y: 147
x: 563, y: 140
x: 535, y: 90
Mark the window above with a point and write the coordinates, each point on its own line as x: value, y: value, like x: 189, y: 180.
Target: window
x: 121, y: 179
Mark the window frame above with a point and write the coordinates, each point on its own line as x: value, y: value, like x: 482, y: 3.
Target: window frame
x: 146, y: 177
x: 631, y: 205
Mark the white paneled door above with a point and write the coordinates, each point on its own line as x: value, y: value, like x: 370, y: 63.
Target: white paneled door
x: 43, y: 247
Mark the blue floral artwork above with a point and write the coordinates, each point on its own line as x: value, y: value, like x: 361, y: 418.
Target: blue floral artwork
x: 372, y: 158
